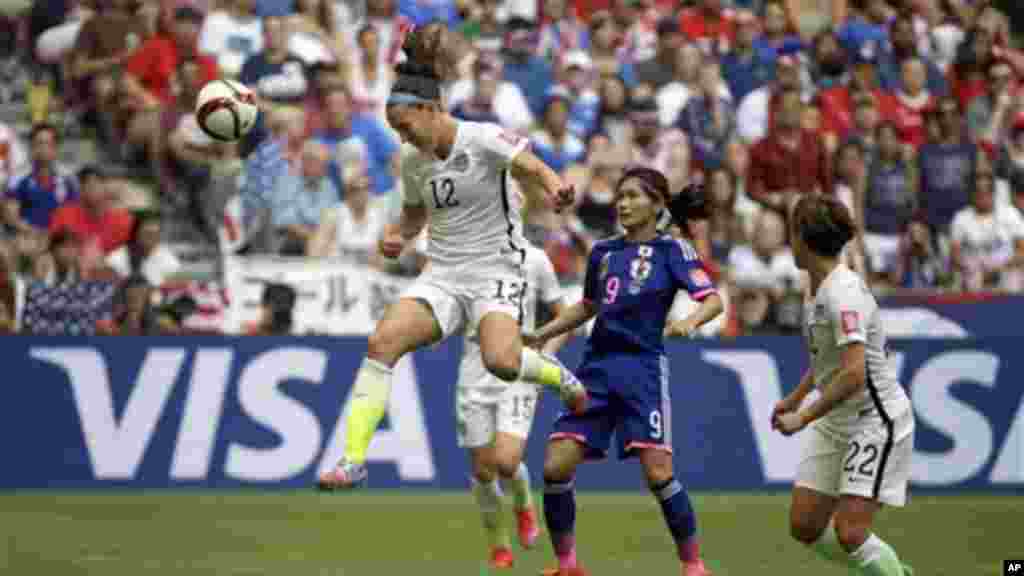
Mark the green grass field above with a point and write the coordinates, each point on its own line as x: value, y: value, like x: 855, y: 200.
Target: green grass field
x: 427, y: 533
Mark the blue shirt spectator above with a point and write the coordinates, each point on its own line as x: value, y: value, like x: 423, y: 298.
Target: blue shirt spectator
x: 522, y: 67
x: 554, y: 144
x: 946, y: 175
x: 35, y: 195
x: 342, y: 125
x: 707, y: 139
x: 888, y: 67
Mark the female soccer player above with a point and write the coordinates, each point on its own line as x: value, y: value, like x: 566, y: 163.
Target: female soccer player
x: 631, y: 281
x: 858, y: 456
x: 494, y: 420
x: 457, y: 181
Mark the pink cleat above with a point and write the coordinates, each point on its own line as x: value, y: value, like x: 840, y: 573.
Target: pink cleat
x: 695, y: 569
x: 345, y: 475
x: 501, y: 558
x: 528, y: 529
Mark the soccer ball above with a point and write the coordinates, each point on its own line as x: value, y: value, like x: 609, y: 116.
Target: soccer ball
x: 226, y: 110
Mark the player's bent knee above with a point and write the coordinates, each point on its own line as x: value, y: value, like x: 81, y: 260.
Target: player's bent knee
x: 804, y: 530
x: 503, y: 361
x: 658, y: 470
x: 851, y: 533
x: 561, y: 459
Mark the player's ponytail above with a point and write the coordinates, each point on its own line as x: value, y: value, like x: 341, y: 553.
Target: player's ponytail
x: 689, y: 204
x: 824, y: 224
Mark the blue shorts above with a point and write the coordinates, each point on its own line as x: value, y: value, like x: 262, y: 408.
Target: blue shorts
x: 628, y: 397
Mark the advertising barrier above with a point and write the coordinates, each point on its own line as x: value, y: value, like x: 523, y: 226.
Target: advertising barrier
x: 227, y: 412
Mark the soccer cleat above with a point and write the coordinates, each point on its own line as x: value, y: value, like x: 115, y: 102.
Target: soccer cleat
x: 576, y: 571
x: 501, y: 558
x: 528, y: 529
x: 344, y: 476
x: 696, y: 569
x: 573, y: 393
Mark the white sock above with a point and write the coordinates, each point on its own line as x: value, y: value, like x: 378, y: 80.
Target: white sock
x: 876, y: 558
x: 827, y: 546
x: 519, y: 487
x: 489, y: 499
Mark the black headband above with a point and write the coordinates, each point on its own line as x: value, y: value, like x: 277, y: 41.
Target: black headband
x: 423, y: 87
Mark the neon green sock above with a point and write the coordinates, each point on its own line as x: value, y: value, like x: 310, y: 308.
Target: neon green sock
x: 876, y: 558
x: 537, y: 369
x: 489, y: 498
x: 370, y: 394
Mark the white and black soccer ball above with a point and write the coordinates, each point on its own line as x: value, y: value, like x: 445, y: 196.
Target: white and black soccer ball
x: 226, y: 110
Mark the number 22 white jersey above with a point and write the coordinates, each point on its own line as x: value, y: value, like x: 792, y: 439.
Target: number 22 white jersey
x: 473, y: 214
x: 843, y: 312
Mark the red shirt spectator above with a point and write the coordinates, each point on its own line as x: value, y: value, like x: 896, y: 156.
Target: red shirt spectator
x: 837, y: 109
x: 909, y: 117
x: 154, y: 65
x: 98, y: 226
x: 790, y: 160
x: 711, y: 27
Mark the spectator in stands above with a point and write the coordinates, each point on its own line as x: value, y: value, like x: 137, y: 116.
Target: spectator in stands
x: 863, y: 29
x: 370, y: 76
x: 552, y: 142
x: 317, y: 32
x: 299, y: 200
x: 657, y: 70
x: 664, y: 149
x: 232, y: 35
x: 672, y: 97
x: 725, y: 227
x: 145, y: 255
x: 789, y: 161
x: 522, y: 67
x: 946, y: 168
x: 1009, y: 157
x: 745, y: 68
x: 65, y: 258
x: 756, y: 112
x: 830, y: 64
x: 988, y: 111
x: 864, y: 127
x: 104, y: 44
x: 491, y: 99
x: 709, y: 121
x: 612, y: 123
x: 561, y: 33
x: 13, y: 157
x: 133, y: 313
x: 341, y: 125
x: 484, y: 30
x: 837, y: 106
x: 596, y: 210
x: 765, y: 275
x: 577, y: 77
x: 710, y: 26
x: 779, y: 34
x: 920, y: 265
x: 277, y: 309
x: 352, y: 228
x: 890, y: 201
x: 902, y: 47
x: 99, y: 226
x: 912, y: 102
x: 968, y: 75
x: 275, y: 73
x: 32, y: 198
x: 605, y: 53
x: 150, y: 74
x: 987, y: 244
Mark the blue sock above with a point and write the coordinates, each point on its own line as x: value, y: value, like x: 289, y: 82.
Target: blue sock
x: 682, y: 522
x: 560, y: 515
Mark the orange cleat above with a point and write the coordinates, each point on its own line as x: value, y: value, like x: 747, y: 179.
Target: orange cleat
x: 528, y: 529
x: 501, y: 558
x: 696, y: 569
x: 577, y: 571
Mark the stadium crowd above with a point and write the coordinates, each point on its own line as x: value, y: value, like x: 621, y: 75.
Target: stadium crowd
x: 908, y: 111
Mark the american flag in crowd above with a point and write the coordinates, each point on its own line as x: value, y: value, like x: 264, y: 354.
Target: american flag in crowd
x: 70, y: 308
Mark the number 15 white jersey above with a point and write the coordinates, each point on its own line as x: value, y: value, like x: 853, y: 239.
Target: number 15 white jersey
x: 473, y: 214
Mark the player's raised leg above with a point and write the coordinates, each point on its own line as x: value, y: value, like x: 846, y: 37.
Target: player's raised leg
x: 505, y: 356
x: 563, y: 456
x: 675, y: 507
x: 407, y: 325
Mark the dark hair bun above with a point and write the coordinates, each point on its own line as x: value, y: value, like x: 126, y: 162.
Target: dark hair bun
x: 690, y: 204
x: 412, y: 68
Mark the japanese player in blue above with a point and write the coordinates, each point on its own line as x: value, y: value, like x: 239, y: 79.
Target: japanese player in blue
x: 631, y: 282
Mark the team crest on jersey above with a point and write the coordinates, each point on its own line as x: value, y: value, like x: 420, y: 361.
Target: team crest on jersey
x: 460, y: 163
x: 640, y: 269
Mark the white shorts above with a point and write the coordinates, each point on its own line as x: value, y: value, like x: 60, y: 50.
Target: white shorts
x: 461, y: 297
x: 871, y: 463
x: 486, y: 405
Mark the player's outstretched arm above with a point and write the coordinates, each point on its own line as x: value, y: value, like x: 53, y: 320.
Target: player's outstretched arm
x: 540, y: 183
x: 568, y: 320
x: 555, y: 344
x: 708, y: 309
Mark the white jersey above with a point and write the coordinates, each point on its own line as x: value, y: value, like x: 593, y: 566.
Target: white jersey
x: 474, y: 216
x: 843, y: 312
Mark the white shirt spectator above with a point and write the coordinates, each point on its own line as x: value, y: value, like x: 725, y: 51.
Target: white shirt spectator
x: 353, y: 238
x: 13, y: 157
x: 752, y: 115
x: 750, y: 271
x: 672, y: 98
x: 509, y: 104
x: 156, y: 269
x: 231, y: 40
x: 987, y: 241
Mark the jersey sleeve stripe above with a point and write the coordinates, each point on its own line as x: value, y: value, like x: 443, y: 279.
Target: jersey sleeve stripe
x: 703, y: 294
